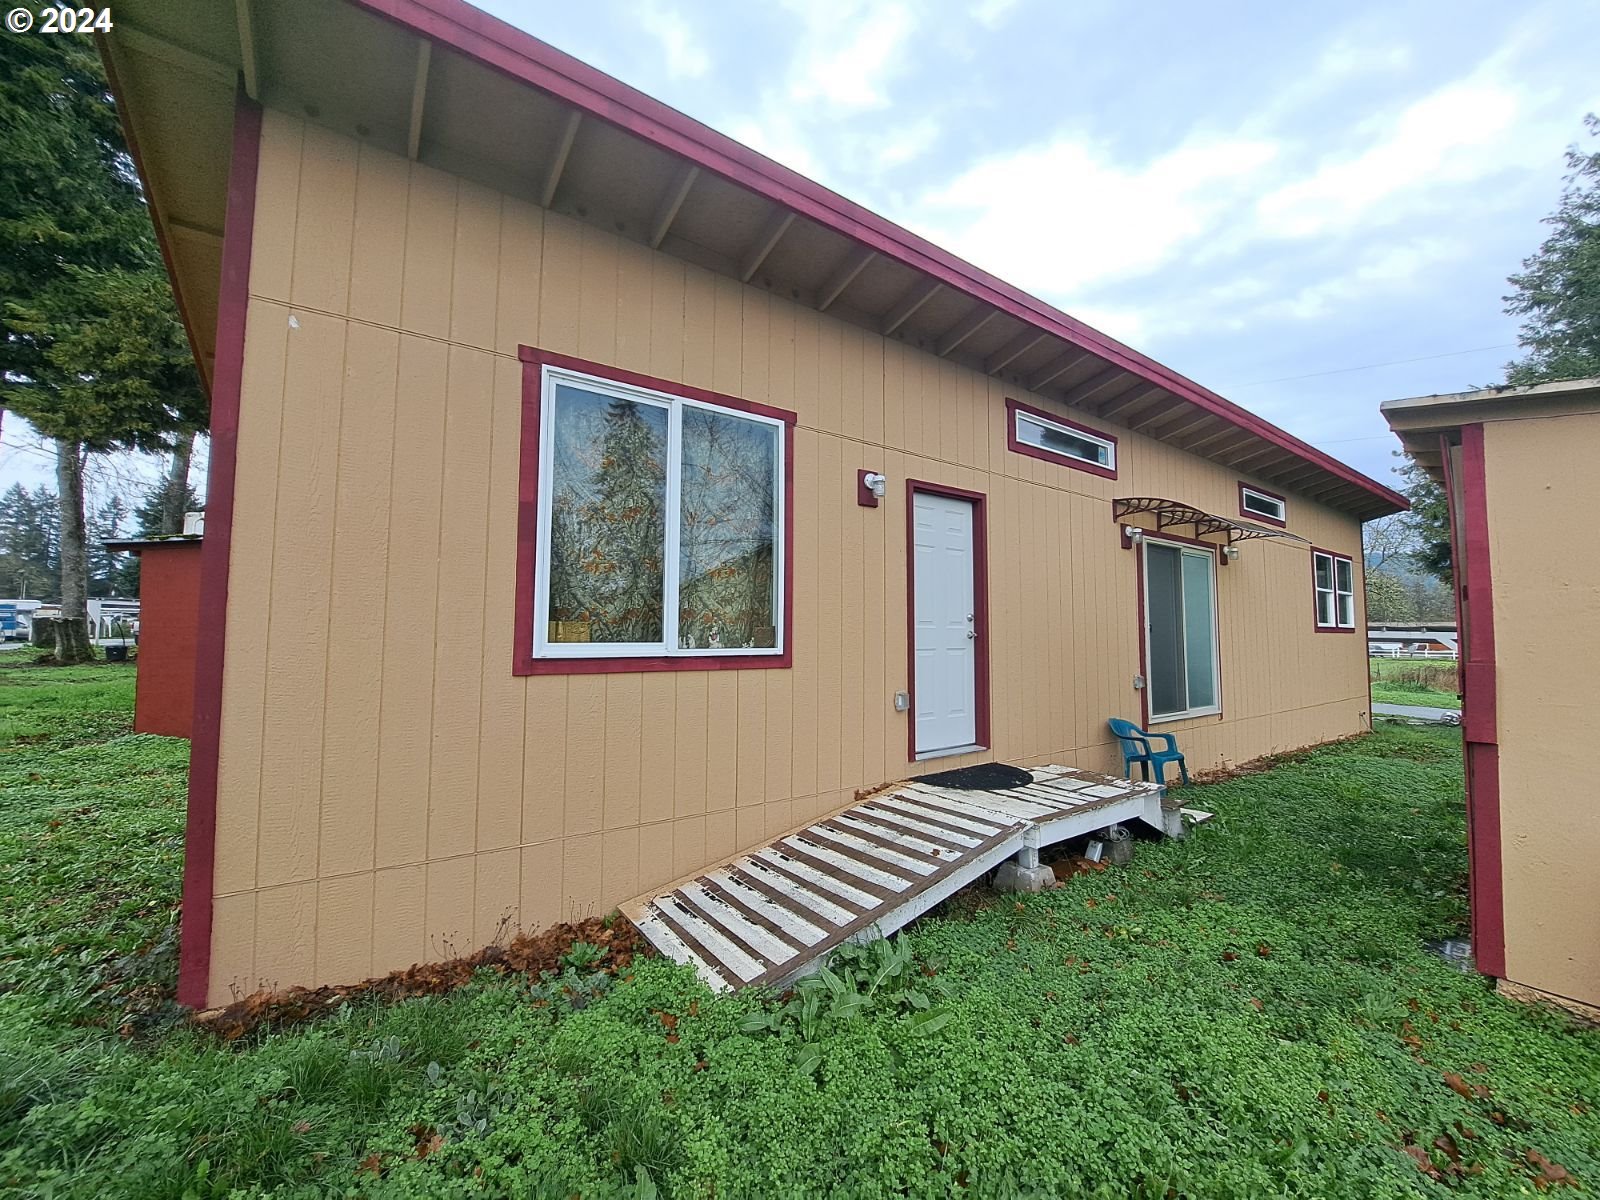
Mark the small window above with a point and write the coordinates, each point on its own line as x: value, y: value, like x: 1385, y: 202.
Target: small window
x: 1056, y: 439
x: 660, y: 524
x: 1180, y: 630
x: 1333, y: 578
x: 1264, y: 506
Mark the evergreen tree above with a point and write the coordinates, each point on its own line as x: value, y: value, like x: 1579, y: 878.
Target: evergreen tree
x: 1558, y: 290
x: 29, y: 559
x: 91, y: 351
x: 153, y: 516
x: 630, y: 523
x: 108, y: 571
x: 1430, y: 519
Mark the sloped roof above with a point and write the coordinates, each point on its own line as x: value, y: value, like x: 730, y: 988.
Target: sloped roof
x: 449, y: 85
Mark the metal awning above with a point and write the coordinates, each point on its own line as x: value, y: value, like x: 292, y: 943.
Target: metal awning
x: 1170, y: 513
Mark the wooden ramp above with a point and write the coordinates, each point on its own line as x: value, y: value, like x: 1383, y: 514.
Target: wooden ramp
x: 771, y: 914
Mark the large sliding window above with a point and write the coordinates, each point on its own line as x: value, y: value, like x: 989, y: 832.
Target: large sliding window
x: 1180, y: 630
x: 660, y: 524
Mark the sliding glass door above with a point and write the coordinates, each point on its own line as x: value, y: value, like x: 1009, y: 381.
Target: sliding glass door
x: 1180, y: 630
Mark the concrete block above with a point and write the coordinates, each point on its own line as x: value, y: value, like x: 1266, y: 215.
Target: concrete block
x: 1013, y: 877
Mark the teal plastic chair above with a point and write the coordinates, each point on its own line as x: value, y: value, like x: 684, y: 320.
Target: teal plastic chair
x: 1136, y: 749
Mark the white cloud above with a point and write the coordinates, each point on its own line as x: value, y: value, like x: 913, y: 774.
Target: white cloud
x: 1377, y: 276
x: 1456, y: 135
x: 686, y: 58
x: 1348, y: 56
x: 1060, y: 217
x: 991, y: 13
x: 848, y: 51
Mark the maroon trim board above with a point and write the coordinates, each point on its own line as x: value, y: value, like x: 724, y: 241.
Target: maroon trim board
x: 1479, y: 724
x: 205, y: 745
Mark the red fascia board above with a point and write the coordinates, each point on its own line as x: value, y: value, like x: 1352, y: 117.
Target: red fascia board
x: 525, y: 58
x: 523, y: 661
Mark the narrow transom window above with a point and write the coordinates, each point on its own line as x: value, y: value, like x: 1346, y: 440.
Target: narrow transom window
x: 1333, y: 578
x: 1253, y: 502
x: 660, y: 524
x: 1056, y: 439
x: 1180, y: 631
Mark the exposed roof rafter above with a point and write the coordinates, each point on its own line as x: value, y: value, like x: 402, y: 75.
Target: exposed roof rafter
x: 247, y: 49
x: 1013, y: 350
x: 185, y: 60
x: 1259, y: 453
x: 419, y: 98
x: 1139, y: 396
x: 671, y: 204
x: 1230, y: 435
x: 766, y: 241
x: 1188, y: 423
x: 843, y: 276
x: 963, y: 329
x: 1057, y: 369
x: 1097, y: 384
x: 902, y: 312
x: 558, y: 161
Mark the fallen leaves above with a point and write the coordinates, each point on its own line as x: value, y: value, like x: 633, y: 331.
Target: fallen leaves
x: 618, y: 940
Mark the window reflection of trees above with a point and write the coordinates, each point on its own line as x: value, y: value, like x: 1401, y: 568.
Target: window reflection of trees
x: 727, y: 531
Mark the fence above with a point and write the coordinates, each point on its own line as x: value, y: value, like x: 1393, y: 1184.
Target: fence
x: 1401, y: 652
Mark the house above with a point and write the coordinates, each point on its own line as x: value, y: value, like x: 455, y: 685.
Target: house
x: 592, y: 498
x: 1511, y: 461
x: 169, y: 625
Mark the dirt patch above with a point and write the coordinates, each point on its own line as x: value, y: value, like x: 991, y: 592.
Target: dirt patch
x: 528, y: 954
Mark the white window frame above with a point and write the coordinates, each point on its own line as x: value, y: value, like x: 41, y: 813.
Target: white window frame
x: 1344, y: 598
x: 543, y: 648
x: 1246, y: 492
x: 1021, y: 416
x: 1216, y: 633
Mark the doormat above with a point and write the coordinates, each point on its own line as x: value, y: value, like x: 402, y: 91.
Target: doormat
x: 985, y: 777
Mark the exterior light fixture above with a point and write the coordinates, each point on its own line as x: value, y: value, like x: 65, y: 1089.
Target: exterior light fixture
x: 870, y: 488
x: 1132, y: 535
x: 1230, y: 552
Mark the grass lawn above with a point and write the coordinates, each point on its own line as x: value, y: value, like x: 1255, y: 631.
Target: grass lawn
x: 1246, y: 1013
x: 1430, y: 683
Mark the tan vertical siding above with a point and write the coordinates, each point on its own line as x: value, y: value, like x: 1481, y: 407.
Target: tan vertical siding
x: 1546, y: 614
x: 390, y: 791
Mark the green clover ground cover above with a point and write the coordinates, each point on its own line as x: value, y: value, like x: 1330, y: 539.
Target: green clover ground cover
x: 1247, y: 1013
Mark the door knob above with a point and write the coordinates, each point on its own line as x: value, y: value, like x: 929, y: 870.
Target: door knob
x: 971, y: 633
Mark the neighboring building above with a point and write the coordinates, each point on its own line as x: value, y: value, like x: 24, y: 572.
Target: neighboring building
x: 1412, y: 639
x: 1514, y: 463
x: 16, y: 619
x: 169, y: 624
x: 543, y: 507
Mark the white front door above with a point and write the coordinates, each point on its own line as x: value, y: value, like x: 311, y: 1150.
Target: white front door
x: 945, y: 640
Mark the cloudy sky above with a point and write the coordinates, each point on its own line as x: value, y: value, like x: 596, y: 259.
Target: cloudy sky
x: 1247, y: 192
x: 1283, y: 201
